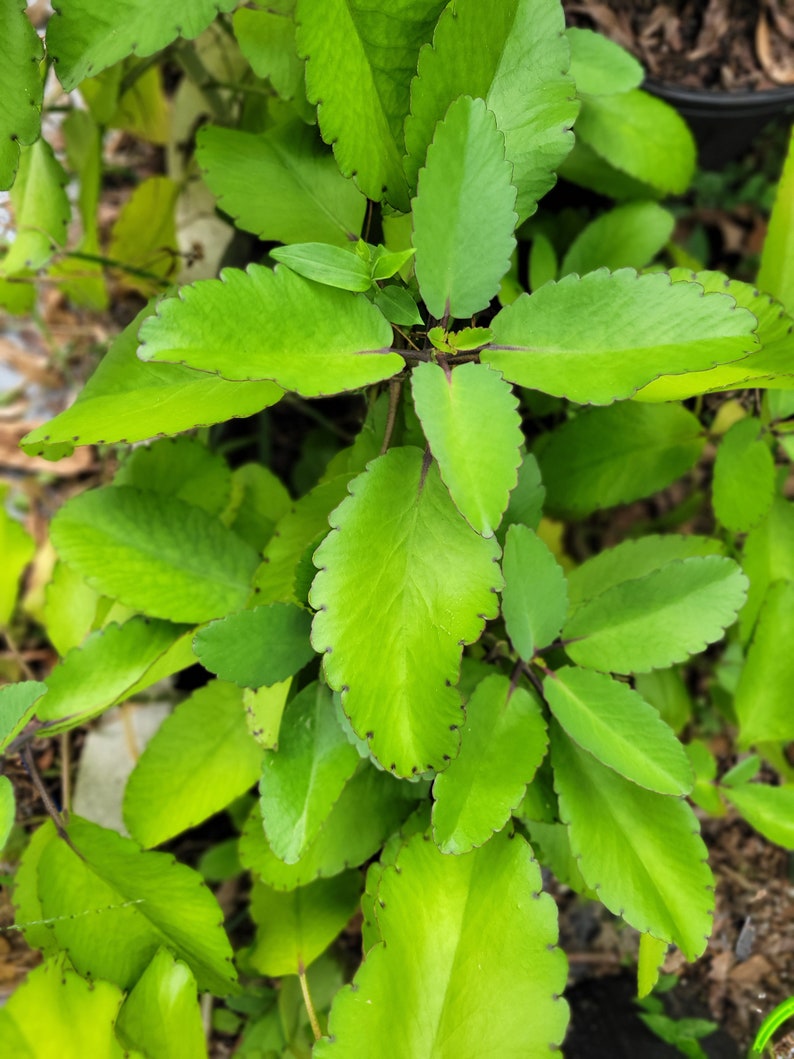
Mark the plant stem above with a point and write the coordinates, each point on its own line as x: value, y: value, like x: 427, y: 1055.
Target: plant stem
x: 66, y: 772
x: 395, y: 390
x: 110, y: 262
x: 18, y: 658
x: 307, y: 1000
x: 30, y: 765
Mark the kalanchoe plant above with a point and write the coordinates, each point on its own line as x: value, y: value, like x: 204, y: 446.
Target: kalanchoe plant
x: 412, y: 673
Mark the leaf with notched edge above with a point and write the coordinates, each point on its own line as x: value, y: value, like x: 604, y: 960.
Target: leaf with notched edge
x: 599, y: 338
x: 311, y: 339
x: 404, y: 583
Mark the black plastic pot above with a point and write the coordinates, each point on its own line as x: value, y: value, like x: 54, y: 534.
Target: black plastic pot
x: 725, y: 123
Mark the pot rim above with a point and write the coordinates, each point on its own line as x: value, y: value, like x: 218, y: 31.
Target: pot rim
x: 762, y: 100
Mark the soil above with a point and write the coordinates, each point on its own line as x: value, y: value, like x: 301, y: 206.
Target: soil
x: 729, y: 45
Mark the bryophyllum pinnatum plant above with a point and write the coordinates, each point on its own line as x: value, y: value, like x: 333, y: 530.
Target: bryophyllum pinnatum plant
x: 403, y: 659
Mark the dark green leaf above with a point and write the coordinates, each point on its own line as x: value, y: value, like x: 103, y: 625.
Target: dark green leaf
x: 155, y: 553
x: 371, y: 807
x: 478, y: 790
x: 294, y: 928
x: 608, y: 456
x: 763, y: 697
x: 257, y: 647
x: 303, y: 779
x: 86, y: 36
x: 535, y: 596
x: 743, y: 486
x: 659, y: 619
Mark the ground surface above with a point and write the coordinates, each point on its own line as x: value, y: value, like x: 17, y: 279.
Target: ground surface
x: 720, y: 44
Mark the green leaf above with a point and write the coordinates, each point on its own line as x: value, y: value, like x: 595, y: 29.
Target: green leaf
x: 471, y: 421
x: 296, y: 927
x: 101, y: 672
x: 480, y: 788
x: 371, y: 807
x: 308, y: 338
x: 257, y: 647
x: 776, y: 273
x: 641, y: 136
x: 41, y: 209
x: 626, y: 236
x: 8, y: 808
x: 161, y: 1015
x: 770, y: 364
x: 599, y: 338
x: 21, y: 86
x: 56, y: 1014
x: 263, y: 501
x: 401, y: 551
x: 263, y: 710
x: 308, y: 198
x: 421, y: 989
x: 614, y: 724
x: 127, y: 400
x: 649, y: 962
x: 155, y: 553
x: 608, y: 456
x: 199, y: 760
x: 634, y: 559
x: 528, y: 497
x: 516, y: 60
x: 463, y: 213
x: 267, y: 40
x: 386, y: 264
x: 769, y: 810
x: 332, y: 266
x: 17, y: 548
x: 768, y: 557
x: 743, y: 486
x: 360, y: 60
x: 180, y: 467
x: 304, y: 524
x: 16, y: 707
x: 763, y: 697
x: 535, y: 596
x: 302, y: 781
x: 85, y: 36
x: 112, y: 906
x: 144, y: 234
x: 599, y: 66
x: 667, y: 692
x: 398, y: 305
x: 658, y: 619
x: 641, y: 851
x: 542, y: 264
